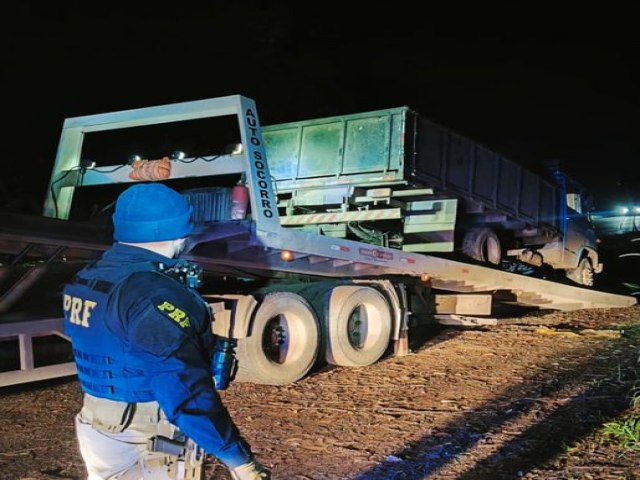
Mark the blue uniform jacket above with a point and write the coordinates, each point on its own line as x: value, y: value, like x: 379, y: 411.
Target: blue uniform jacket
x: 139, y: 335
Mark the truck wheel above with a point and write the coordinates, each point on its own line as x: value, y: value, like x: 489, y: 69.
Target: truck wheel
x: 483, y: 245
x: 583, y: 273
x: 358, y: 326
x: 283, y: 342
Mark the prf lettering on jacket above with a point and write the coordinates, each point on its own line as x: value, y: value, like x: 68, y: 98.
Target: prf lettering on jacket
x: 79, y: 309
x: 175, y: 314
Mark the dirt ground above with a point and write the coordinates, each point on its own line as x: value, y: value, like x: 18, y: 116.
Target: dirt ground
x: 524, y: 399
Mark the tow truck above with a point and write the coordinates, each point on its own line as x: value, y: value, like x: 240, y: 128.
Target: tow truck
x: 290, y: 299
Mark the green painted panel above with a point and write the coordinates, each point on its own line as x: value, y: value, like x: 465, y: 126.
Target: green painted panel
x: 321, y: 150
x: 367, y: 145
x: 282, y: 152
x: 348, y: 148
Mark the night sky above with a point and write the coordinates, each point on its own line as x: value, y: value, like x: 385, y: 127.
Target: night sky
x: 533, y: 83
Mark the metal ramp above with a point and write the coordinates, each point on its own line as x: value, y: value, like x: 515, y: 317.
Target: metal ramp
x: 335, y: 258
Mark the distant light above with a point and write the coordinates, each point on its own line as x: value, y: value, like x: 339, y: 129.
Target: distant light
x: 286, y: 255
x: 633, y: 210
x: 425, y: 277
x: 178, y: 155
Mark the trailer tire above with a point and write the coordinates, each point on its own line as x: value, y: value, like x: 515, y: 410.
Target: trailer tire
x: 483, y: 245
x: 358, y: 326
x: 283, y: 343
x: 583, y: 273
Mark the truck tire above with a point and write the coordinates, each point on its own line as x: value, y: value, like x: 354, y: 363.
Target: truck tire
x: 583, y: 273
x: 283, y: 343
x: 358, y: 326
x: 483, y: 245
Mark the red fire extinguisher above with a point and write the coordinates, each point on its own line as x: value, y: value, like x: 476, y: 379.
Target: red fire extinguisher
x: 239, y: 201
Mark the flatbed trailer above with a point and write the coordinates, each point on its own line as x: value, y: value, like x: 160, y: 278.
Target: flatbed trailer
x: 291, y: 299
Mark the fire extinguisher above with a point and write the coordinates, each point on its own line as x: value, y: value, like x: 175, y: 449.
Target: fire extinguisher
x: 239, y: 200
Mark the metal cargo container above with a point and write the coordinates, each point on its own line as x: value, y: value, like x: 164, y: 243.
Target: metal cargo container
x: 400, y: 146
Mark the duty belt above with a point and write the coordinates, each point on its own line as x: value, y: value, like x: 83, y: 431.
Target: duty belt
x: 170, y: 448
x: 115, y: 417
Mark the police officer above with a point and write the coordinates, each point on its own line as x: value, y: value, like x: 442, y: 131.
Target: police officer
x: 142, y: 343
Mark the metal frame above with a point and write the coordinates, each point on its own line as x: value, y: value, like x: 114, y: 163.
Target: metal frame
x: 67, y: 174
x: 25, y: 332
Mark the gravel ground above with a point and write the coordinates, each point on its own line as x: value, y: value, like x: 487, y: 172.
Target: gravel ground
x: 527, y: 398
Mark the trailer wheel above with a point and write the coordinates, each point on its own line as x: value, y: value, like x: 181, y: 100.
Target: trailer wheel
x: 283, y: 342
x: 583, y: 273
x: 358, y: 326
x: 483, y: 245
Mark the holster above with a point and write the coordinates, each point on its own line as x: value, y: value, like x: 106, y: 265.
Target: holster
x: 183, y: 458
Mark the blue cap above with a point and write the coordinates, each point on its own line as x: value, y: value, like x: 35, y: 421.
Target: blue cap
x: 151, y: 212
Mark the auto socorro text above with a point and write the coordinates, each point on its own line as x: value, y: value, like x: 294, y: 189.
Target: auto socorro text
x: 264, y: 201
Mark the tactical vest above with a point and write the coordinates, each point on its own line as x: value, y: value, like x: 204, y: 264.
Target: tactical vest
x: 105, y: 368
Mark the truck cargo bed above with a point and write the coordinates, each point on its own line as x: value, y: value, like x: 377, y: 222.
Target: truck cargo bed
x: 400, y: 146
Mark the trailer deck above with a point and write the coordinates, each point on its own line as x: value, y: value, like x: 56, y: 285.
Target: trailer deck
x: 39, y: 250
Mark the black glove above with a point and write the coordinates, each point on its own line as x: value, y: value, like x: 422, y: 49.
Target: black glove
x: 252, y: 470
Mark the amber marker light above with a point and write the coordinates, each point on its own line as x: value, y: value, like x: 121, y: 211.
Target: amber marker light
x: 286, y: 255
x: 425, y: 277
